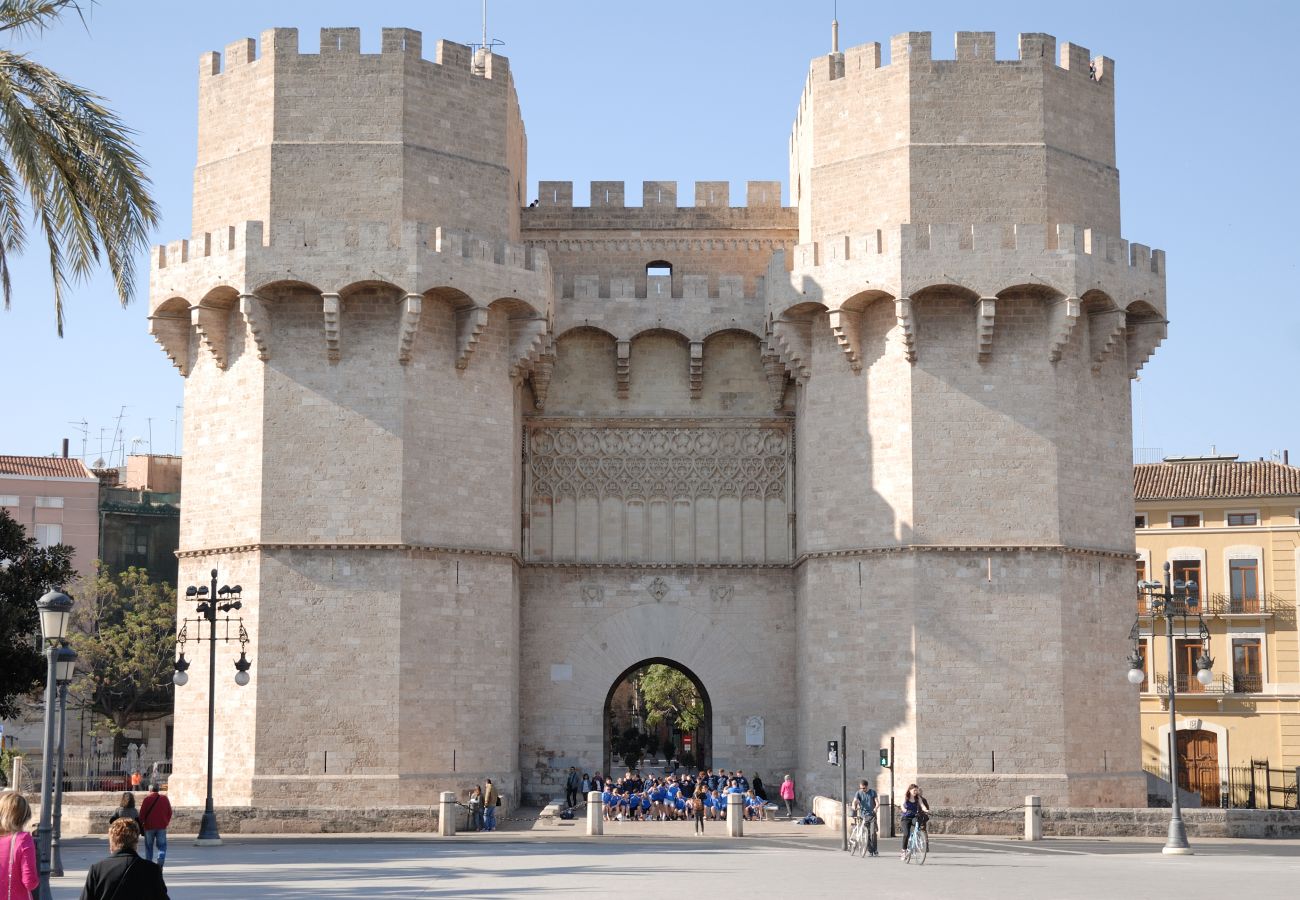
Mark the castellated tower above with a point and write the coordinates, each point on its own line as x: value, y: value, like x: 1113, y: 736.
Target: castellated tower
x: 962, y: 321
x: 353, y: 322
x: 862, y: 460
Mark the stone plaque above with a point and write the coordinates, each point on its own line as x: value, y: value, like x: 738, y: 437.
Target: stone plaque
x: 754, y: 731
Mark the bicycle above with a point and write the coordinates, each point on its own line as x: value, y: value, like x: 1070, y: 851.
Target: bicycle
x: 860, y: 836
x: 918, y: 842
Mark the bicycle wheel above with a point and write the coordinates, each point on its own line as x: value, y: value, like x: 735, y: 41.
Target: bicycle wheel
x: 922, y: 845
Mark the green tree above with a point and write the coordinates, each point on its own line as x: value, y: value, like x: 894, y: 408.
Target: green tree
x: 630, y: 744
x: 123, y: 629
x: 69, y: 161
x: 26, y: 572
x: 669, y: 696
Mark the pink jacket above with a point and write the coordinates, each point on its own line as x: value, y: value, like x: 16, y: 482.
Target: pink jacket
x: 787, y: 790
x: 21, y: 878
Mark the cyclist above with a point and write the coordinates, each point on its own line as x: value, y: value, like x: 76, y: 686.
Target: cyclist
x: 864, y: 805
x: 916, y: 811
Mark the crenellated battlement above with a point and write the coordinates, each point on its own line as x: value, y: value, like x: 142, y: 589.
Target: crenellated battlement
x: 344, y: 44
x: 969, y: 47
x: 345, y: 237
x: 660, y: 195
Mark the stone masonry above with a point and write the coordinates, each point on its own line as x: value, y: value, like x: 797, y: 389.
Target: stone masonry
x: 863, y: 460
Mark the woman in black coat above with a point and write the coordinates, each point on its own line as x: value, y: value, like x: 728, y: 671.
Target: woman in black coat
x: 124, y: 874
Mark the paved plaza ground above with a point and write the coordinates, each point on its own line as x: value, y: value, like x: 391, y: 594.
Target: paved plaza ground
x: 652, y: 864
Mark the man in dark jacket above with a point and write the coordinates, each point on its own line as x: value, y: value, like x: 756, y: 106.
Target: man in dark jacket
x: 124, y: 874
x: 155, y: 816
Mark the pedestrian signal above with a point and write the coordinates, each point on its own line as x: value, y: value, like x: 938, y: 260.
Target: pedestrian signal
x: 833, y: 752
x: 884, y: 757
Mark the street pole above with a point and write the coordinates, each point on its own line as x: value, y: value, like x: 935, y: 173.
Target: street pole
x: 47, y: 780
x: 1176, y: 844
x: 208, y: 834
x: 56, y: 858
x: 844, y: 787
x: 893, y: 763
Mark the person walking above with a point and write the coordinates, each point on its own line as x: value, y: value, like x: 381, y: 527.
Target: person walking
x: 864, y: 805
x: 125, y: 808
x: 491, y: 800
x: 787, y: 794
x: 19, y: 876
x: 571, y: 787
x: 124, y: 874
x: 155, y: 816
x: 701, y: 794
x: 476, y: 809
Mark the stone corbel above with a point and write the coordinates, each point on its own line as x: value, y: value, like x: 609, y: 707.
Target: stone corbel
x: 985, y: 311
x: 412, y: 308
x: 777, y: 377
x: 173, y: 334
x: 541, y: 377
x: 528, y: 340
x: 258, y: 321
x: 697, y: 369
x: 213, y: 325
x: 1106, y: 331
x: 907, y: 326
x: 1143, y: 339
x: 331, y: 304
x: 470, y: 323
x: 1063, y: 317
x: 791, y: 340
x: 623, y: 368
x: 845, y: 326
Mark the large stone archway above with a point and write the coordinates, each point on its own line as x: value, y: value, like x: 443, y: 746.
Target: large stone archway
x: 731, y: 630
x: 702, y: 746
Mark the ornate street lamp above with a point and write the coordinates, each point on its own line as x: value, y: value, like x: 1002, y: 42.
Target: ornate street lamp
x: 210, y: 601
x: 66, y: 665
x: 1172, y: 600
x: 55, y: 609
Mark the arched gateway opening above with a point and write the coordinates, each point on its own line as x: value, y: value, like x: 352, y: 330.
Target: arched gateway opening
x: 655, y: 711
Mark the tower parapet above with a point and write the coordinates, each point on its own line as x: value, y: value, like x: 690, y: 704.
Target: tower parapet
x: 341, y: 134
x: 1028, y: 140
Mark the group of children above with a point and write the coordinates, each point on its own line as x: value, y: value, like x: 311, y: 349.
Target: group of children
x: 679, y: 796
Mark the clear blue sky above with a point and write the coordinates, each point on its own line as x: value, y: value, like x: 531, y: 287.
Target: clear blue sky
x: 1207, y: 142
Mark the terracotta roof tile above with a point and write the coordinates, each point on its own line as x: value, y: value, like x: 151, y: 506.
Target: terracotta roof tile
x: 44, y: 467
x: 1214, y: 480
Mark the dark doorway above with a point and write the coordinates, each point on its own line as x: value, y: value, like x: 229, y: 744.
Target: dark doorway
x: 1198, y: 765
x: 627, y: 715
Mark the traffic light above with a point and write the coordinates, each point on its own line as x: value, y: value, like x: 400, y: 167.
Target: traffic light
x: 884, y: 757
x: 833, y: 752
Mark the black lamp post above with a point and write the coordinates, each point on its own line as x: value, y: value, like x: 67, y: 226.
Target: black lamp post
x: 209, y: 602
x: 1172, y: 600
x: 55, y: 609
x: 66, y: 665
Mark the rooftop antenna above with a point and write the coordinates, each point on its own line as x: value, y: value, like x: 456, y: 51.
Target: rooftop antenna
x: 485, y: 47
x: 835, y: 26
x: 84, y: 427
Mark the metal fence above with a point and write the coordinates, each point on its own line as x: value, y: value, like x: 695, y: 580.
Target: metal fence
x: 1257, y: 786
x: 103, y: 772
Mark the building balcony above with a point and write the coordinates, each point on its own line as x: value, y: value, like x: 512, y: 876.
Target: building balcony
x: 1228, y: 605
x: 1222, y: 684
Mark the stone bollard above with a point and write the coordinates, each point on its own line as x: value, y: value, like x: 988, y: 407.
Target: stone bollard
x: 1033, y: 818
x: 884, y: 808
x: 595, y: 814
x: 446, y: 814
x: 16, y: 782
x: 735, y: 815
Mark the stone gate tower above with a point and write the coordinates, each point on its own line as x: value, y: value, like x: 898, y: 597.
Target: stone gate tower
x: 861, y: 460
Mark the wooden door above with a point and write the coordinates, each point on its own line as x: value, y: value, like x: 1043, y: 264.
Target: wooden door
x: 1198, y: 764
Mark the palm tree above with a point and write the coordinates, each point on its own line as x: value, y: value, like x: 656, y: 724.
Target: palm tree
x: 67, y: 163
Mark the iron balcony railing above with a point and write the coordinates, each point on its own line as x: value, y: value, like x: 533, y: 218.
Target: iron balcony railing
x: 1228, y: 605
x: 1222, y: 684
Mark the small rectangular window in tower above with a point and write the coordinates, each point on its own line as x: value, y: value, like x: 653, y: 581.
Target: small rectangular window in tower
x: 659, y: 279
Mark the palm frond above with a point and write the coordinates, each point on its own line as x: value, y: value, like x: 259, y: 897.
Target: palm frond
x: 86, y: 182
x: 27, y: 17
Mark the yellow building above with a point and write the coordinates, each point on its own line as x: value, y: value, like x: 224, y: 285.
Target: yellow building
x: 1233, y: 529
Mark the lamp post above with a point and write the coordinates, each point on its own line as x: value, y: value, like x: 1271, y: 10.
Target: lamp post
x: 210, y: 601
x: 67, y: 664
x: 55, y: 608
x: 1171, y: 600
